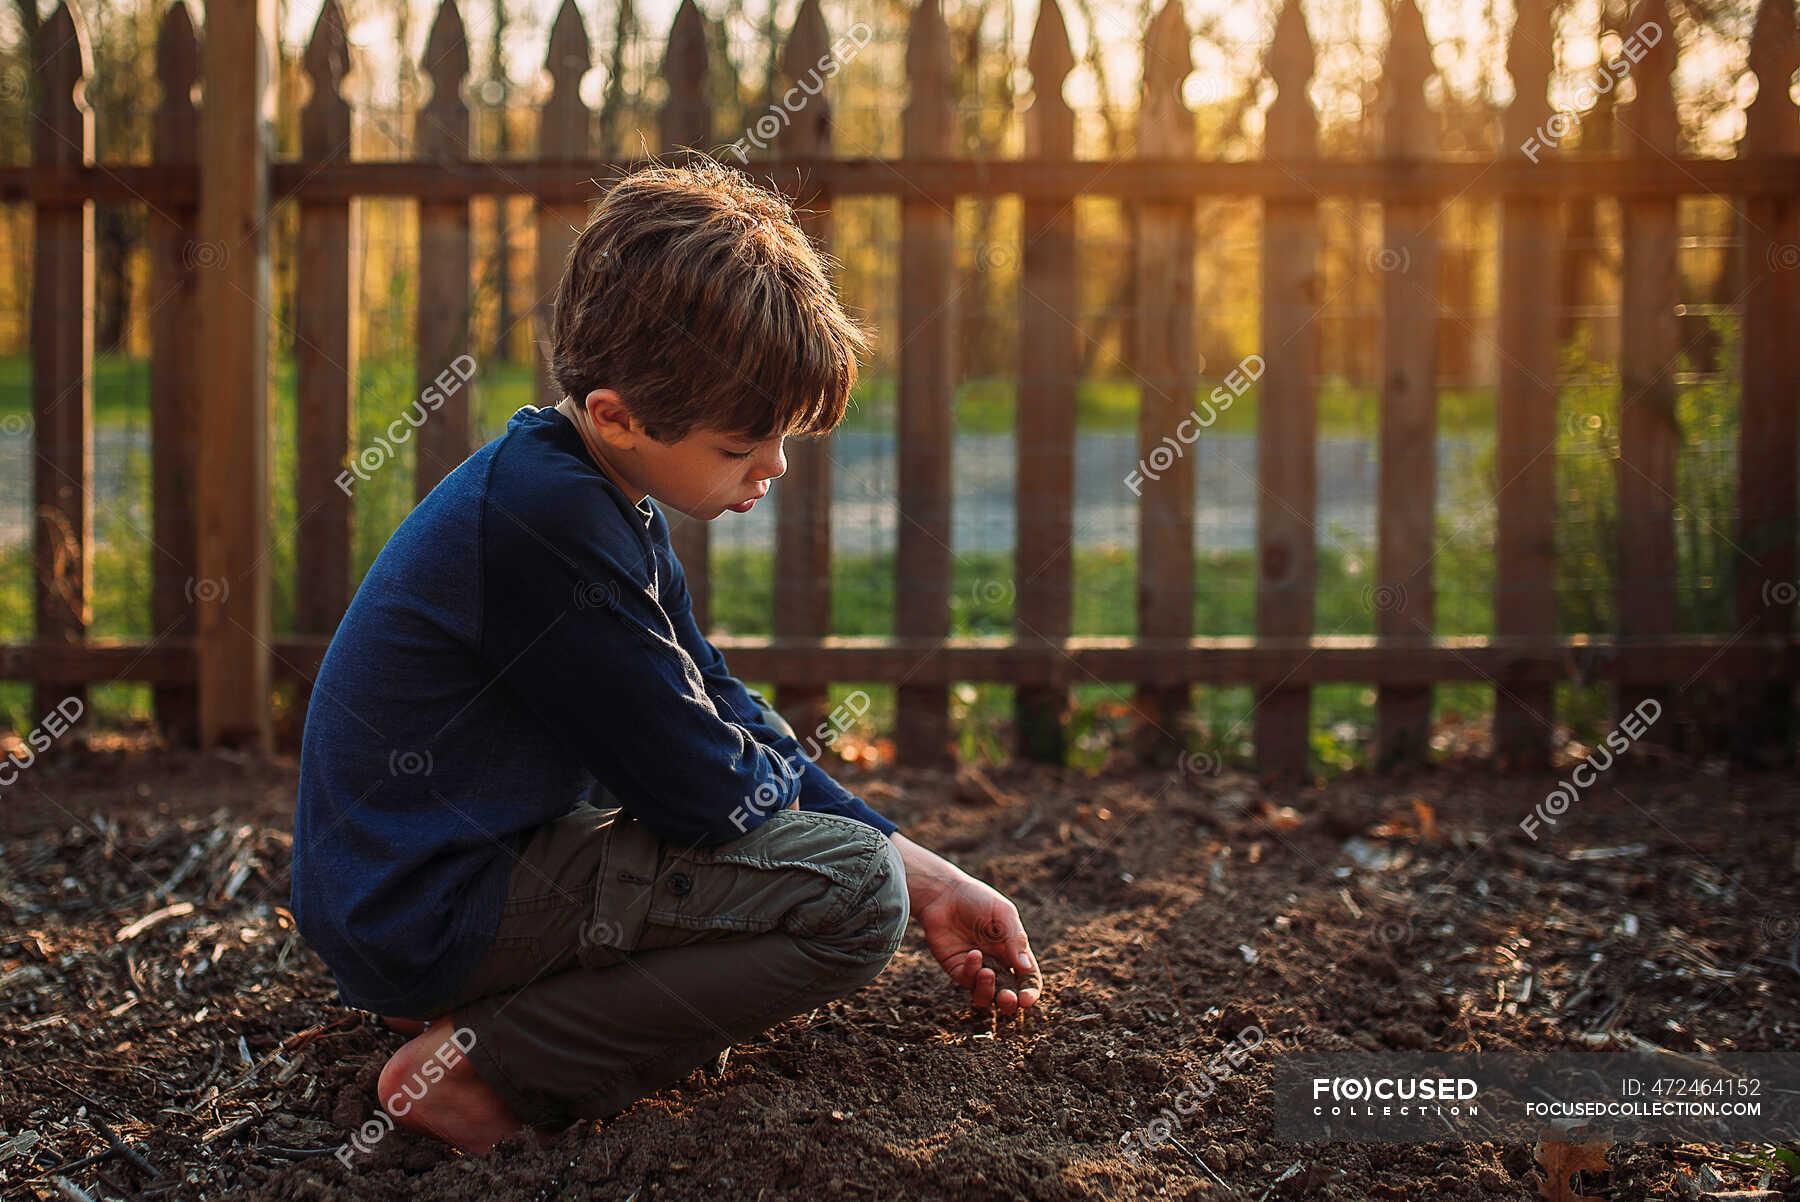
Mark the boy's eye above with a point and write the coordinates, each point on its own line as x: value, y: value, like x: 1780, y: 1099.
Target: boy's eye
x: 738, y: 454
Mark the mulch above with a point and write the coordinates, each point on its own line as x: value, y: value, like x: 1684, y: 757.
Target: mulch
x: 166, y: 1034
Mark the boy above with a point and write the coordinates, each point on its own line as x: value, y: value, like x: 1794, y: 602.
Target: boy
x: 536, y: 811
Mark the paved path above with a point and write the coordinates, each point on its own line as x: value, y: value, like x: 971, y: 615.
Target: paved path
x: 864, y: 482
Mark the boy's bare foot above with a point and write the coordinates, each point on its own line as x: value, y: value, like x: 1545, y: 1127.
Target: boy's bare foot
x: 430, y: 1086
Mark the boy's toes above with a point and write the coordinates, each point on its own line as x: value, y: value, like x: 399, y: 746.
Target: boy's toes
x: 406, y: 1026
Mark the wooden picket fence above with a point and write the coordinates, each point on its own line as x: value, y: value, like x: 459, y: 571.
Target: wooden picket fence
x: 209, y: 187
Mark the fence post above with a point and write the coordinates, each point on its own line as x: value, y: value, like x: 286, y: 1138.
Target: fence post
x: 232, y: 591
x: 562, y: 137
x: 62, y: 357
x: 1049, y: 360
x: 1525, y: 448
x: 174, y: 366
x: 326, y: 293
x: 1769, y: 230
x: 1287, y: 418
x: 686, y: 121
x: 927, y: 381
x: 1166, y: 363
x: 442, y: 325
x: 1403, y: 595
x: 1649, y: 344
x: 803, y: 504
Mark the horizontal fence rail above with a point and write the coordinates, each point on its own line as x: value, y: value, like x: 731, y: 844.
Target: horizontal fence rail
x: 213, y: 178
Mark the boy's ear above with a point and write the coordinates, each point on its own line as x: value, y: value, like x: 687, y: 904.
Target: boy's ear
x: 611, y: 420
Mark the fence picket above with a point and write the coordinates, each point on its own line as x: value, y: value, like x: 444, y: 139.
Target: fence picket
x: 687, y: 121
x: 62, y: 356
x: 231, y: 588
x: 173, y: 235
x: 1649, y: 344
x: 1049, y: 361
x: 443, y: 337
x: 926, y: 340
x: 1769, y: 230
x: 803, y: 503
x: 326, y: 317
x: 1287, y: 417
x: 1403, y: 598
x: 1165, y: 360
x: 564, y: 136
x: 1525, y: 448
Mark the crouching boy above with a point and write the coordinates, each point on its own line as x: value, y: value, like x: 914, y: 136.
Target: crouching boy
x: 536, y: 811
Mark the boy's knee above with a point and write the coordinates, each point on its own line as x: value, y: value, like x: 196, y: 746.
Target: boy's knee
x: 864, y: 916
x: 875, y: 921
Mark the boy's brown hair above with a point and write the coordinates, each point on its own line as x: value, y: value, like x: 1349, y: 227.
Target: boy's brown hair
x: 695, y: 296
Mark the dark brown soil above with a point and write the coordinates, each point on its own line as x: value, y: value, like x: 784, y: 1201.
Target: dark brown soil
x: 1168, y: 912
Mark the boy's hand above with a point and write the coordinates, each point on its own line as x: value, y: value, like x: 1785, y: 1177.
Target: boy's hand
x: 971, y: 929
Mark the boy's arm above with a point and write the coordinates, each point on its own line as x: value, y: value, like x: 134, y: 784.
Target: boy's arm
x: 818, y: 791
x: 592, y: 654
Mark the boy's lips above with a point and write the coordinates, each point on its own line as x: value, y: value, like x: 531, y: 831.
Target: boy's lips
x: 746, y: 506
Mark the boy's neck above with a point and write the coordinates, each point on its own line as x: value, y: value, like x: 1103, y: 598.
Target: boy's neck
x: 584, y: 427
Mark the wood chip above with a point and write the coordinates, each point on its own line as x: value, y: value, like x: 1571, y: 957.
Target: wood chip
x: 133, y: 930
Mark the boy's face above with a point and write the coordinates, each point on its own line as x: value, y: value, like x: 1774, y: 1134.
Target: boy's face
x: 701, y: 475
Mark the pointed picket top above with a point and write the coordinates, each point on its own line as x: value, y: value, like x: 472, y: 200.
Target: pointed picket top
x: 1165, y: 124
x: 1050, y: 57
x: 927, y: 126
x: 1168, y: 52
x: 686, y: 121
x: 447, y: 47
x: 563, y: 121
x: 443, y: 125
x: 1408, y: 126
x: 1049, y: 122
x: 178, y: 59
x: 1770, y: 125
x: 808, y: 130
x: 1649, y: 124
x: 1291, y: 128
x: 570, y: 54
x: 175, y: 130
x: 64, y: 129
x: 325, y: 121
x: 1528, y: 61
x: 808, y: 42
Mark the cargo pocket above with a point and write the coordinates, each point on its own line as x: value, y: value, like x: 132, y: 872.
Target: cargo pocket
x: 623, y: 896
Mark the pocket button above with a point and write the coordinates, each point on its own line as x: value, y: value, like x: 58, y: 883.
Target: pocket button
x: 680, y: 883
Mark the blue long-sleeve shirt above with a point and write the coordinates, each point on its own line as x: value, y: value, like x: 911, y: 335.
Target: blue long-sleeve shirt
x: 524, y: 634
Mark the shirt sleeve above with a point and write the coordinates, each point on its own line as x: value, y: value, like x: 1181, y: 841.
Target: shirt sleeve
x: 584, y: 643
x: 818, y: 790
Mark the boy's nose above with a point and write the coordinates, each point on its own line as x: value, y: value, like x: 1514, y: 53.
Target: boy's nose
x: 779, y: 466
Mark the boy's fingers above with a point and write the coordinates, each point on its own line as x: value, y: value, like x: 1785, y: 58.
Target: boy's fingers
x: 983, y: 995
x: 1030, y: 979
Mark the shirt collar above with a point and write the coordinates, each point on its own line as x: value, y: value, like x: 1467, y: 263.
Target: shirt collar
x: 552, y: 413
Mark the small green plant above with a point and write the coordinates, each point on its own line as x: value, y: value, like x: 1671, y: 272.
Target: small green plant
x: 1770, y: 1159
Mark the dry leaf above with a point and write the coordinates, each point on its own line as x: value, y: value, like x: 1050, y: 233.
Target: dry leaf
x: 1562, y: 1161
x: 1427, y: 820
x: 1282, y: 818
